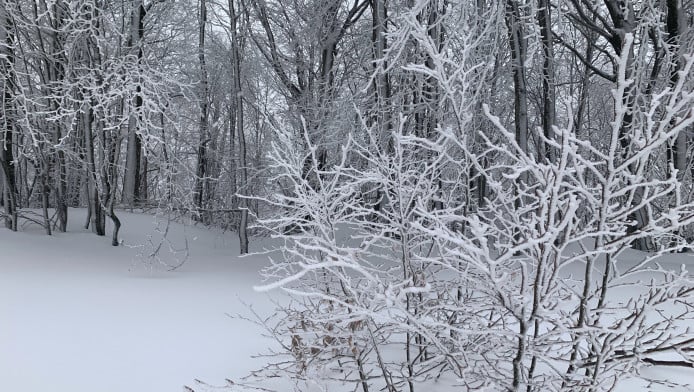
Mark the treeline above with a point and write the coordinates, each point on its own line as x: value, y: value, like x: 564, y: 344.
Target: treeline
x: 174, y: 104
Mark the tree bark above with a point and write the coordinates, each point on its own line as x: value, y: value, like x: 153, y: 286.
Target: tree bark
x: 544, y: 17
x: 518, y: 55
x: 677, y: 152
x: 237, y: 99
x: 55, y: 76
x: 7, y: 161
x: 97, y: 212
x: 133, y: 163
x: 381, y: 85
x: 200, y: 172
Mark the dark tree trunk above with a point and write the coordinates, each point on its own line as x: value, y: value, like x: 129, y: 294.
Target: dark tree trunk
x: 237, y: 94
x: 132, y: 191
x: 94, y: 199
x: 201, y: 169
x: 518, y: 55
x: 544, y: 17
x: 7, y: 127
x: 677, y: 151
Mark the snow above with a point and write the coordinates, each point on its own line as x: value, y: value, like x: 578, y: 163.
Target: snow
x: 79, y: 315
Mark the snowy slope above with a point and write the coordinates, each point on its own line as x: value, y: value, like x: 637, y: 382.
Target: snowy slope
x: 79, y: 315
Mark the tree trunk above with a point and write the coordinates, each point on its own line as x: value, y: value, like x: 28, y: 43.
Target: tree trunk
x: 131, y: 181
x: 544, y: 18
x: 55, y: 76
x: 677, y: 153
x: 7, y: 161
x: 201, y: 170
x: 133, y: 162
x: 237, y: 97
x: 94, y: 200
x: 382, y: 86
x: 518, y: 55
x: 109, y: 177
x: 45, y: 195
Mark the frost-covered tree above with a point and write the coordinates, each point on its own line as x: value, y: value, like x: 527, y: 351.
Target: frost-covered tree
x: 524, y: 292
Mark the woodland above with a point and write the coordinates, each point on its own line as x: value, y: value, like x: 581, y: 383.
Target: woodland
x: 472, y: 194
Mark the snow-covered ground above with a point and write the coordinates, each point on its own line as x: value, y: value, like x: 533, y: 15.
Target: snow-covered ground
x: 79, y: 315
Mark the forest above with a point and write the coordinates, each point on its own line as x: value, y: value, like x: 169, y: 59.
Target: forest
x: 461, y: 194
